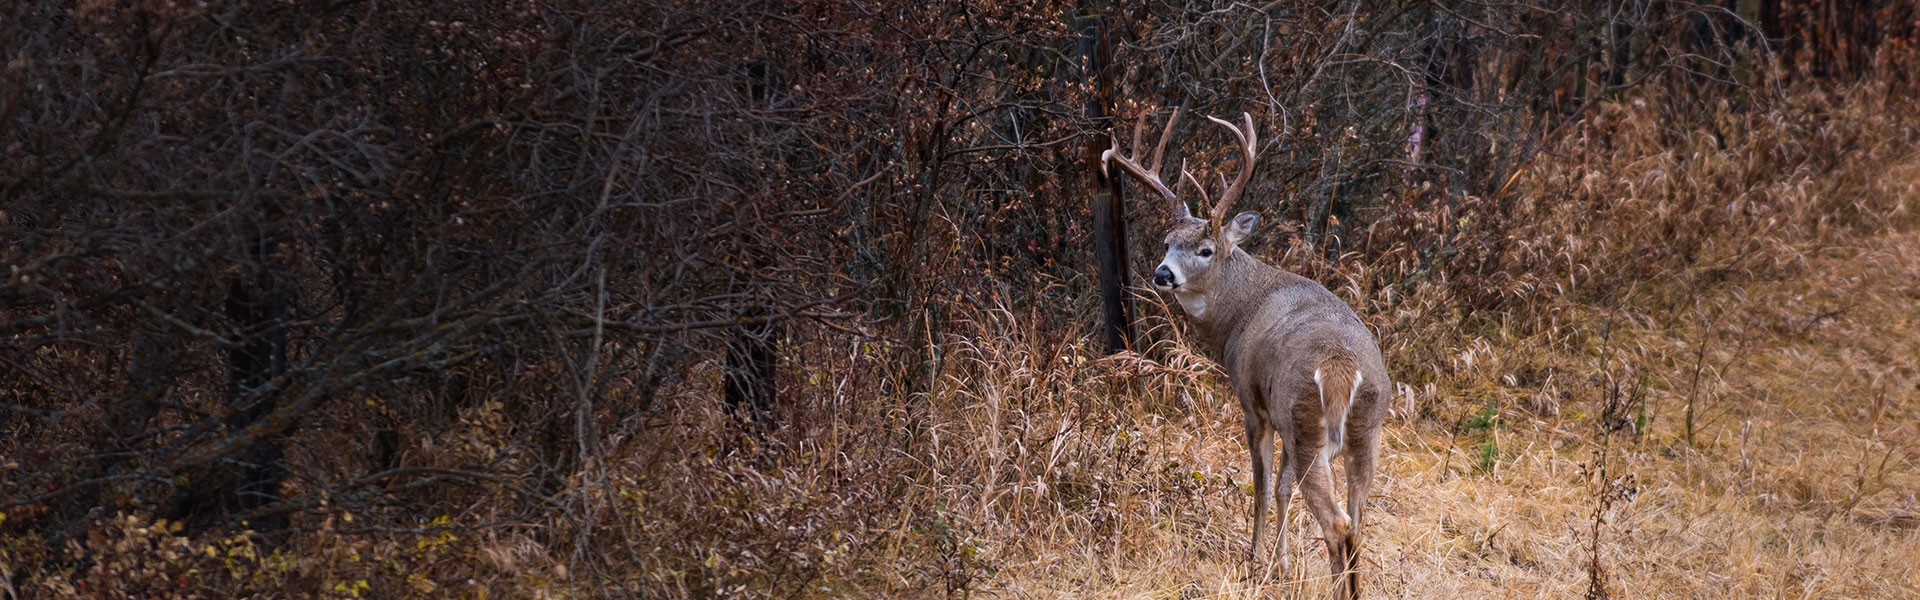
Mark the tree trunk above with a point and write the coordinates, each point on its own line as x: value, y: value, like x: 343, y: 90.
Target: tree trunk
x: 749, y: 376
x: 249, y: 479
x: 1095, y: 57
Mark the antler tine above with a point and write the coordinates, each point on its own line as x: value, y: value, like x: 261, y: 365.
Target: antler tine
x: 1160, y: 149
x: 1249, y: 148
x: 1184, y: 174
x: 1148, y: 175
x: 1140, y: 131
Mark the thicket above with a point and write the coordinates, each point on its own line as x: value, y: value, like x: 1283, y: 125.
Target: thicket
x: 788, y: 298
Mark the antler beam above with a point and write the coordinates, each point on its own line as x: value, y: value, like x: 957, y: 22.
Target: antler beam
x: 1148, y: 175
x: 1249, y: 147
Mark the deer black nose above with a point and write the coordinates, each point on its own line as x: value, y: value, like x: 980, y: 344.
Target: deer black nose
x: 1163, y: 276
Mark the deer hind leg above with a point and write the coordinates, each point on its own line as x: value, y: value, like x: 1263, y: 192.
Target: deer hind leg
x: 1260, y: 446
x: 1334, y: 525
x: 1360, y: 462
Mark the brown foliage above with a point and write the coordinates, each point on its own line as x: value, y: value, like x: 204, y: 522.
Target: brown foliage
x: 431, y: 298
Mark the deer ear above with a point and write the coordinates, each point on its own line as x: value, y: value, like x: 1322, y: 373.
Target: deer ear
x: 1241, y: 227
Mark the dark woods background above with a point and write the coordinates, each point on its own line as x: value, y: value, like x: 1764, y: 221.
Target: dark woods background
x: 363, y: 291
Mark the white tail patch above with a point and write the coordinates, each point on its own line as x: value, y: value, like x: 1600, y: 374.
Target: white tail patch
x: 1335, y: 440
x: 1321, y: 387
x: 1354, y: 394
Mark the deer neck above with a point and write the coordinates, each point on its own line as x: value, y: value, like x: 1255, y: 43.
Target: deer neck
x: 1237, y: 290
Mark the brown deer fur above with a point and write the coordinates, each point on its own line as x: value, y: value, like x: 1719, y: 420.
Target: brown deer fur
x: 1300, y: 360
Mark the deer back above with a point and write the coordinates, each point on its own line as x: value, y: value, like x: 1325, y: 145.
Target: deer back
x: 1271, y: 330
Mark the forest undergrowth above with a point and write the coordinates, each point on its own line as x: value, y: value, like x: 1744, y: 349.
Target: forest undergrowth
x: 1739, y: 422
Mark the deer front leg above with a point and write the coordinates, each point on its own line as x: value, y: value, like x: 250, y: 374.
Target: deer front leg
x: 1260, y: 446
x: 1289, y: 476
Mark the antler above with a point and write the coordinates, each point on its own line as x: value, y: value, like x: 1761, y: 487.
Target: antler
x: 1188, y: 175
x: 1150, y: 174
x: 1249, y: 147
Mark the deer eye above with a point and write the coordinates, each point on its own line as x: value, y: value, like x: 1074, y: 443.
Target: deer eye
x: 1206, y: 252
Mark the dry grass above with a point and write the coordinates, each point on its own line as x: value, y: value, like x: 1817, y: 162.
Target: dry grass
x: 1045, y: 476
x: 1764, y: 279
x: 1769, y: 285
x: 1800, y: 483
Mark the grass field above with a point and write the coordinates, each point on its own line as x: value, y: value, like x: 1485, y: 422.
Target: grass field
x: 1799, y: 482
x: 1741, y: 423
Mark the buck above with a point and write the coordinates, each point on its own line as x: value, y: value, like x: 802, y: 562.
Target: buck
x: 1302, y: 364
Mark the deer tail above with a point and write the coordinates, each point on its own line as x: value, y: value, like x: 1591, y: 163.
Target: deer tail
x: 1338, y: 378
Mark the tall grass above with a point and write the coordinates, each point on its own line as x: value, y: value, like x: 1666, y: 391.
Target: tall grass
x: 1700, y: 266
x: 1634, y: 273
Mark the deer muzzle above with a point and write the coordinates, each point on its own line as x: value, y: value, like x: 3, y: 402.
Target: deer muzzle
x: 1164, y: 278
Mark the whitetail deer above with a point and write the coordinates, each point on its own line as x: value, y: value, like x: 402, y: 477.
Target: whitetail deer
x: 1301, y: 362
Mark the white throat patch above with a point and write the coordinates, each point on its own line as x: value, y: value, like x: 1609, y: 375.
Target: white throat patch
x: 1194, y: 304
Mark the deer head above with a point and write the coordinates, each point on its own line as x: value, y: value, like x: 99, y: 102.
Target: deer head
x: 1194, y: 247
